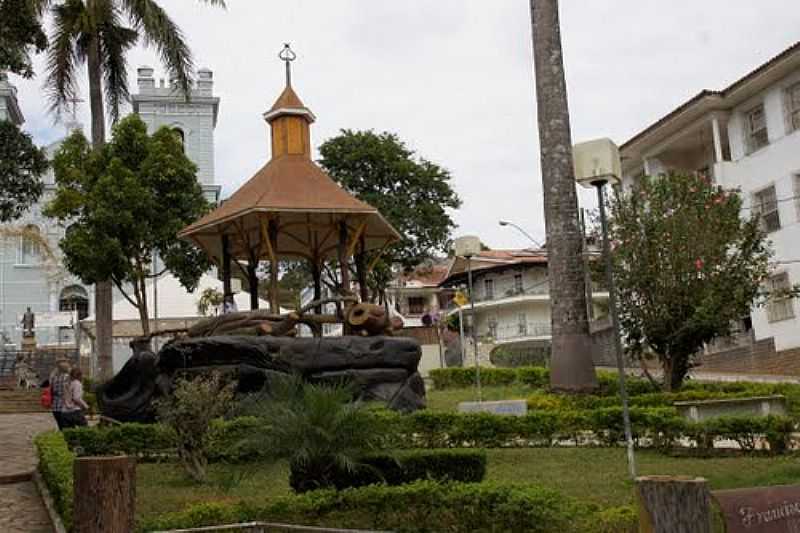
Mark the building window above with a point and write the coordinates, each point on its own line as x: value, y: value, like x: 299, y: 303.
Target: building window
x: 765, y: 205
x: 488, y: 288
x: 416, y: 305
x: 30, y: 246
x: 181, y: 137
x: 74, y: 298
x: 756, y: 128
x: 493, y: 327
x: 522, y: 324
x: 796, y: 179
x: 518, y: 284
x: 793, y: 107
x: 780, y: 306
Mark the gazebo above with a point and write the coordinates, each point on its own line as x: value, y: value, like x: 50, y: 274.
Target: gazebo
x: 290, y: 209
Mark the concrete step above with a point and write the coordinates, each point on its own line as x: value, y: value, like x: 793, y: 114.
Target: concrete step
x: 21, y: 401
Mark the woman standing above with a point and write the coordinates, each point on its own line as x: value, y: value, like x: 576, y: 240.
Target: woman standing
x: 59, y: 389
x: 74, y: 403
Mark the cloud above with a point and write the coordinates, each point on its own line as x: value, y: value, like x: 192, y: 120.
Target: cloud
x: 454, y: 79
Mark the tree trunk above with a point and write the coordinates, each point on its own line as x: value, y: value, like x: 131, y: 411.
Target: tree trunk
x: 103, y: 296
x: 361, y: 271
x: 572, y: 369
x: 252, y: 280
x: 105, y: 494
x: 670, y: 504
x: 316, y: 274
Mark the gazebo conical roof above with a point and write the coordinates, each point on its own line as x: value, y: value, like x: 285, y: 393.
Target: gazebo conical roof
x: 294, y: 193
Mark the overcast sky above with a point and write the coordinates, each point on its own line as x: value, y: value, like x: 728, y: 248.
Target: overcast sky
x: 454, y: 79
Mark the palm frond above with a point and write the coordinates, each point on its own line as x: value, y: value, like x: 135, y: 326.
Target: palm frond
x: 115, y: 41
x: 159, y: 31
x: 61, y: 84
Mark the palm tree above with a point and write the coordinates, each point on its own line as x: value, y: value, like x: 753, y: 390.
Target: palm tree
x: 571, y: 368
x: 98, y: 34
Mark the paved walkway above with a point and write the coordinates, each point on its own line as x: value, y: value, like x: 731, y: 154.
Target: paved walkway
x: 21, y: 507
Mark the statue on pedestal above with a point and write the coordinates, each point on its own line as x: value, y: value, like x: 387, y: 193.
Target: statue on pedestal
x: 28, y: 323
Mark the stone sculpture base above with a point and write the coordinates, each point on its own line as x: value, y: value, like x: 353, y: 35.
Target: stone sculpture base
x: 378, y: 368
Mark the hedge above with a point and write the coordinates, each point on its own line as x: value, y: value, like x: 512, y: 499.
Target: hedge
x: 423, y: 506
x: 55, y: 465
x: 467, y: 466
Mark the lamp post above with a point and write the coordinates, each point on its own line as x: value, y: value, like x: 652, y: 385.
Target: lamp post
x: 507, y: 223
x: 468, y: 247
x: 597, y: 163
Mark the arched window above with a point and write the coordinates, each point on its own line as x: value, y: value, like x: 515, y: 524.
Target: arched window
x: 181, y: 136
x: 74, y: 298
x: 30, y: 246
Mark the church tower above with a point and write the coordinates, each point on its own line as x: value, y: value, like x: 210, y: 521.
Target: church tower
x: 194, y: 120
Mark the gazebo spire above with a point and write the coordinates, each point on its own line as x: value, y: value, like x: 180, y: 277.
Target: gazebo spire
x: 288, y: 55
x: 289, y: 118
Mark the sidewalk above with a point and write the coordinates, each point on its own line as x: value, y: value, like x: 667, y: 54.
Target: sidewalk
x: 21, y: 507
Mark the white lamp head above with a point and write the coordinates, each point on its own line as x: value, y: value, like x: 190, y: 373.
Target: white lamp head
x: 467, y: 246
x: 597, y: 162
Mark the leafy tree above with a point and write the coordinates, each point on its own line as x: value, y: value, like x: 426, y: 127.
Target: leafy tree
x: 21, y: 34
x: 686, y: 265
x: 210, y: 302
x: 21, y: 165
x: 189, y: 411
x: 124, y: 203
x: 98, y: 34
x: 413, y: 194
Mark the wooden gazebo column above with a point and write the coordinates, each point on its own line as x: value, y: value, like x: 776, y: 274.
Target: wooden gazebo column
x: 227, y: 290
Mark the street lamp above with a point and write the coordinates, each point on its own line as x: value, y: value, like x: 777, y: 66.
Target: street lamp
x: 467, y: 247
x: 507, y: 223
x: 597, y: 163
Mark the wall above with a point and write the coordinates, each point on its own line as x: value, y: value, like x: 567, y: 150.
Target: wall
x: 776, y: 163
x: 760, y: 358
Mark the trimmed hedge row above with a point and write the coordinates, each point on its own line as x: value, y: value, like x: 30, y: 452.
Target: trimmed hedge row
x: 424, y: 506
x: 55, y: 465
x: 658, y: 427
x: 466, y: 466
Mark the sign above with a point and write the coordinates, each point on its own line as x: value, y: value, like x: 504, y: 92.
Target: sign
x: 460, y: 299
x: 51, y: 319
x: 761, y: 510
x: 505, y: 407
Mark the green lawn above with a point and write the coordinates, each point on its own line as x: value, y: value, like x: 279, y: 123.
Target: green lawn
x: 448, y: 399
x: 591, y: 474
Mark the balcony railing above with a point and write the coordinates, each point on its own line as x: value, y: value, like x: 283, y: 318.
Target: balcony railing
x: 539, y: 289
x: 518, y: 331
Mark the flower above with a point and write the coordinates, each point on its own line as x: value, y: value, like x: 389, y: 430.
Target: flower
x: 698, y: 264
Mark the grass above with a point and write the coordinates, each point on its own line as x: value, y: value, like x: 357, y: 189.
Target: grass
x: 448, y: 399
x: 598, y: 475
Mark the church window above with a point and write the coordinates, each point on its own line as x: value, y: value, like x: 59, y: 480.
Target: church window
x: 30, y: 246
x: 181, y: 136
x: 74, y: 298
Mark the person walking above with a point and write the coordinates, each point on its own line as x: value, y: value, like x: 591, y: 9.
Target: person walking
x: 74, y: 404
x: 59, y: 385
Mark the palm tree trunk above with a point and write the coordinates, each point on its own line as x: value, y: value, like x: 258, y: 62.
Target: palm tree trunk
x: 103, y: 302
x: 572, y: 369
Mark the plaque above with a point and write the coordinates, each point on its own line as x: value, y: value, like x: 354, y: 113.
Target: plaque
x: 505, y: 407
x: 761, y: 510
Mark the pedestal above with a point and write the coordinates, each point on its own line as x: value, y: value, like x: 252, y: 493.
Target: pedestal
x: 29, y: 344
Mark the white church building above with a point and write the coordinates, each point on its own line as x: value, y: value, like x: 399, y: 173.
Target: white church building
x: 59, y: 300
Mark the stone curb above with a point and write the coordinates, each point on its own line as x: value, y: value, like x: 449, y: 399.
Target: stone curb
x: 47, y: 499
x: 20, y: 477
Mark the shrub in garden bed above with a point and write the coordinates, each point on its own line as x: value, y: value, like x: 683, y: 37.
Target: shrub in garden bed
x: 424, y: 506
x: 55, y: 464
x: 468, y: 466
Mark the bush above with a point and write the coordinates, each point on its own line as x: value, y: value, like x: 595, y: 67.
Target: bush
x: 468, y: 466
x: 55, y: 464
x: 189, y: 412
x: 424, y: 506
x: 139, y: 440
x: 504, y: 357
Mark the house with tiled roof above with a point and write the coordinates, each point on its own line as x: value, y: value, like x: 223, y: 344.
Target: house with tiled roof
x: 746, y: 137
x: 511, y: 297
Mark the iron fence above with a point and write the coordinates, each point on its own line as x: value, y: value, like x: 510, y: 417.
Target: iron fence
x: 40, y: 361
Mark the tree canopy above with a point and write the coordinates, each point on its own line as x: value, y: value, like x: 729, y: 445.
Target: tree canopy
x: 124, y: 203
x: 686, y: 265
x: 21, y: 165
x: 414, y: 194
x: 21, y: 34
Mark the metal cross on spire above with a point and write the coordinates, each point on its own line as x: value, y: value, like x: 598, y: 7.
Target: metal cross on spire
x: 288, y: 55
